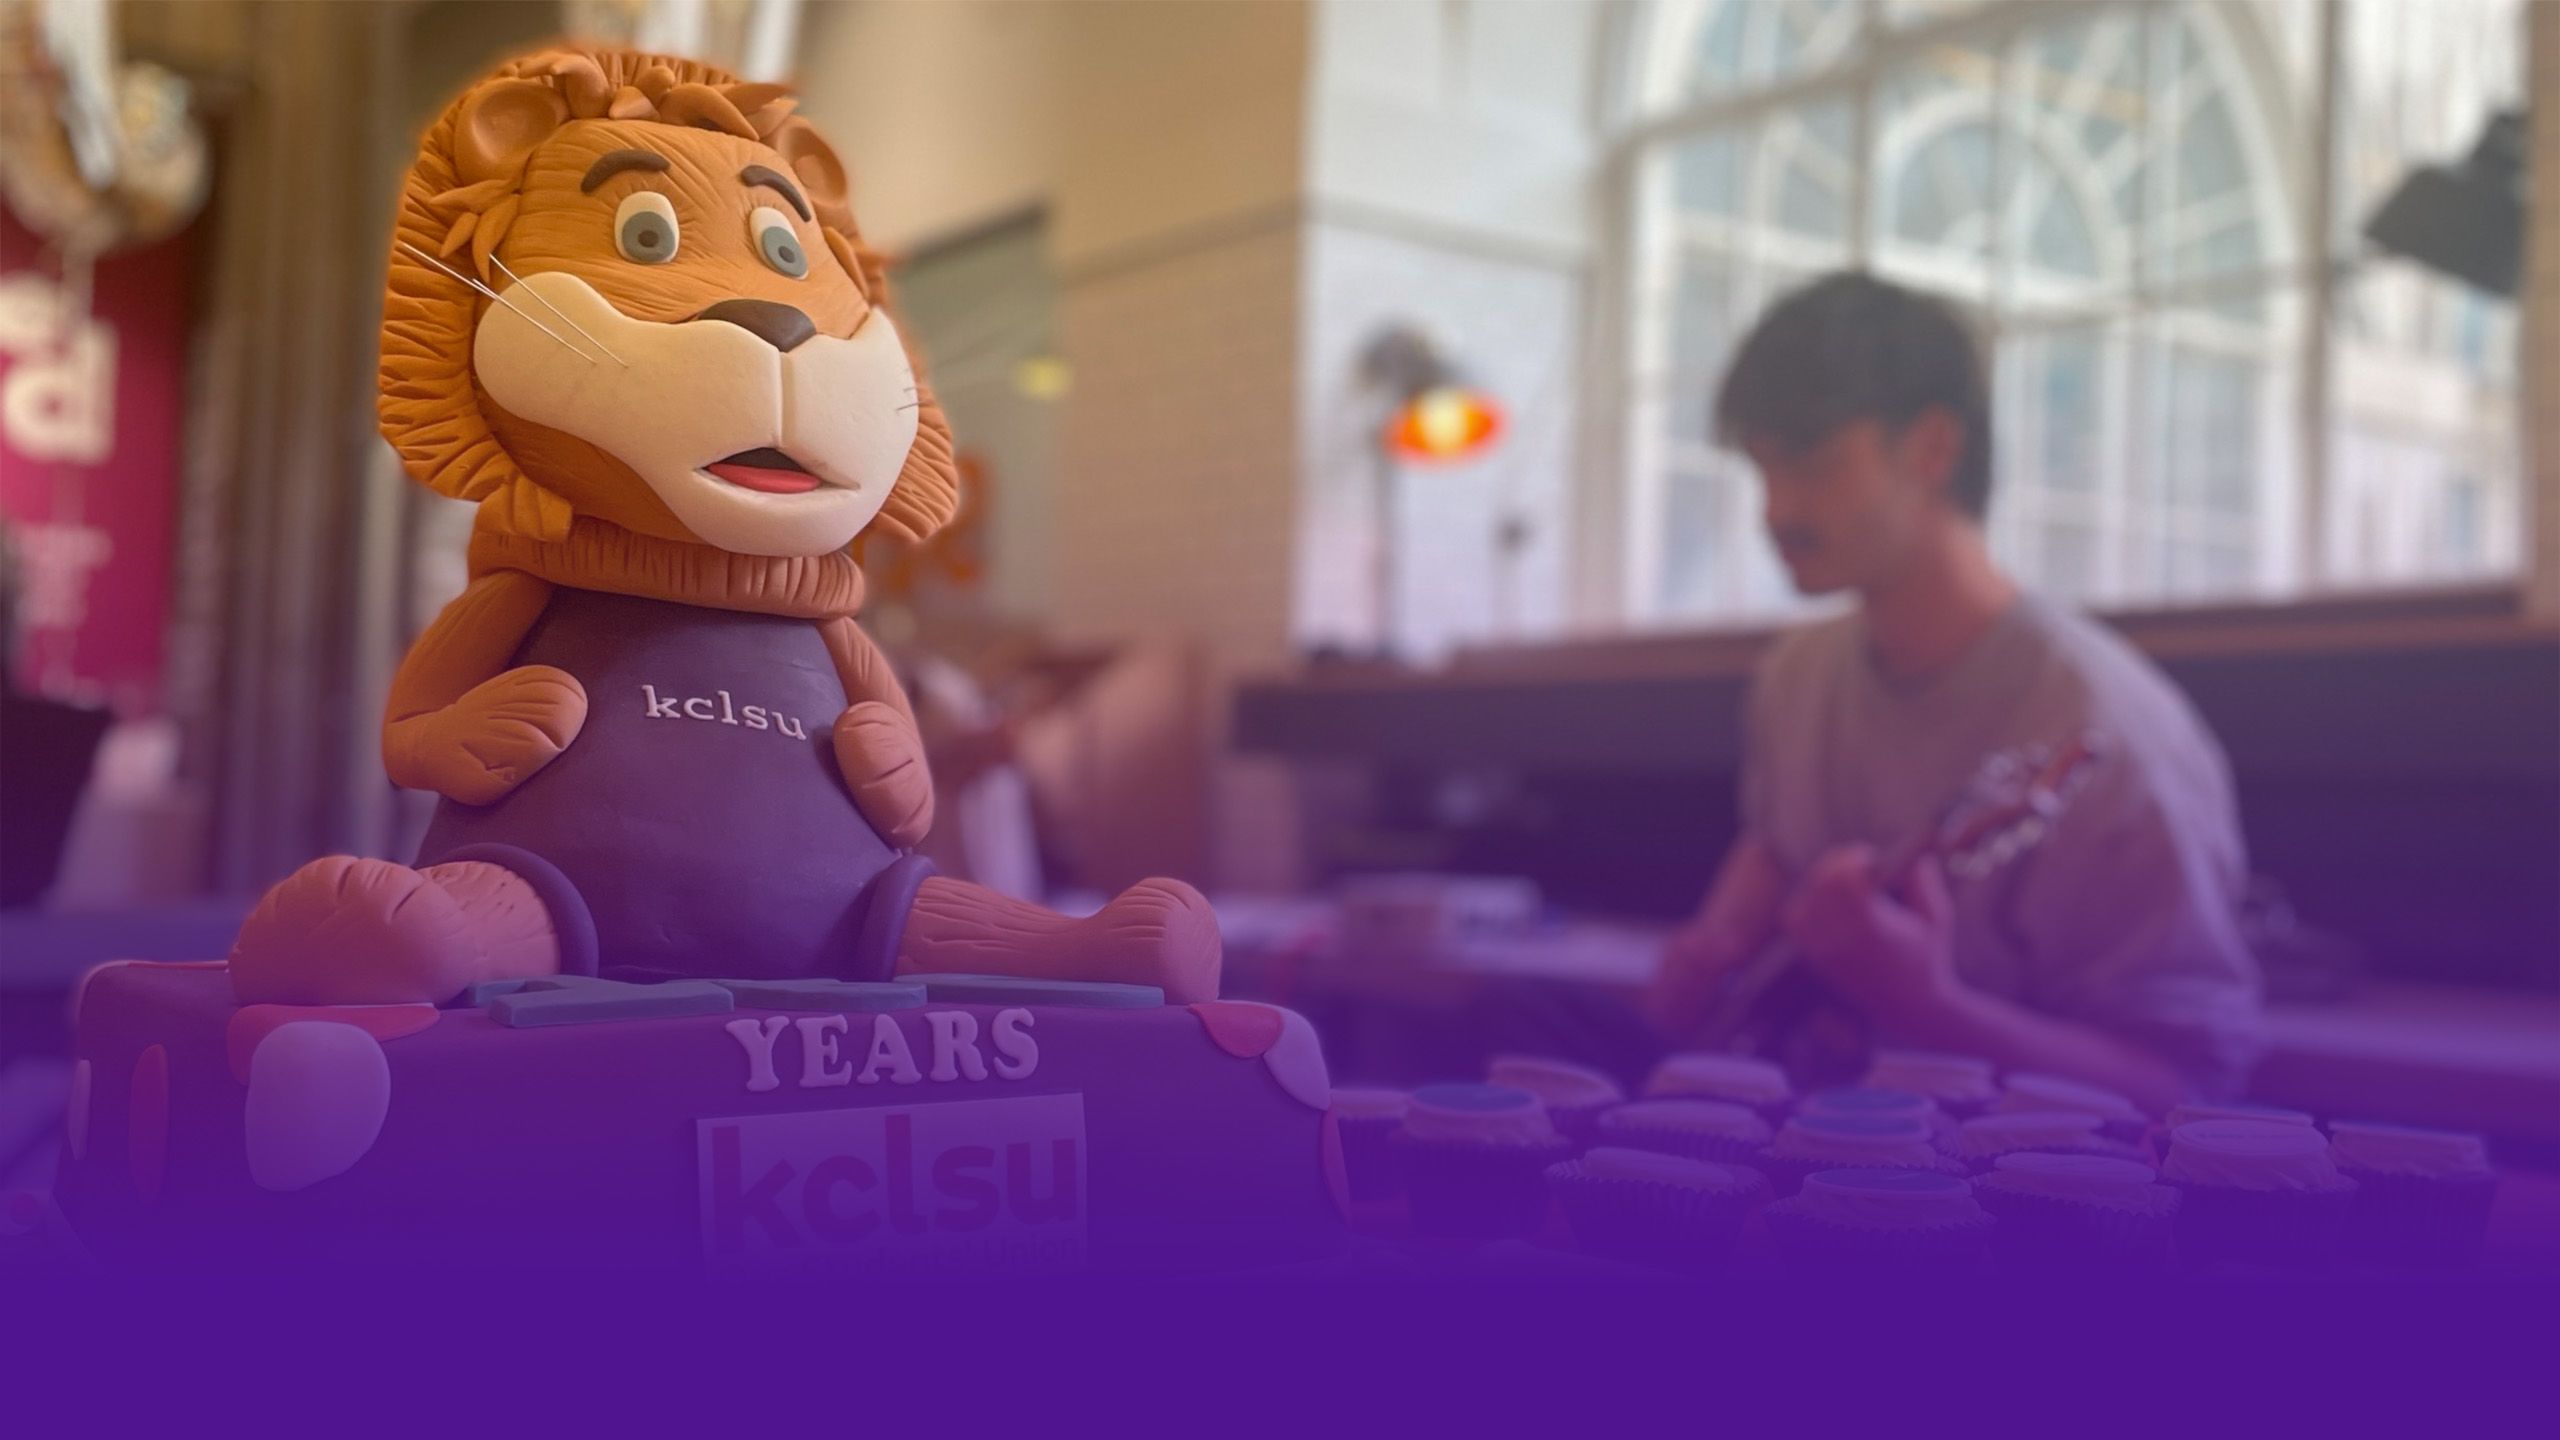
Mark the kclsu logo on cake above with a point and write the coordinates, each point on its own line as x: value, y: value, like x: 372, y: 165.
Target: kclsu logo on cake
x: 994, y: 1184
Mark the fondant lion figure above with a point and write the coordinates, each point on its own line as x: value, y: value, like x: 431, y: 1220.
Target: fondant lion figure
x: 630, y: 315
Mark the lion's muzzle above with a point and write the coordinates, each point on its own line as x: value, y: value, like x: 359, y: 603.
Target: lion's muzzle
x: 742, y: 375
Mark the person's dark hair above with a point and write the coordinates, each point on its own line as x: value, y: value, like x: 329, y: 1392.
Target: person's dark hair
x: 1850, y: 347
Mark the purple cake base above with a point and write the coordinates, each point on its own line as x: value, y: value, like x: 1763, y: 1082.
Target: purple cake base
x: 969, y: 1136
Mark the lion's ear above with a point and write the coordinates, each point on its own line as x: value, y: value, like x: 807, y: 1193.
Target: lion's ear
x: 820, y: 173
x: 500, y: 124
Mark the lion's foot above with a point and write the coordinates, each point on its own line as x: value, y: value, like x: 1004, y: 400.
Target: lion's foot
x: 1156, y: 932
x: 346, y: 931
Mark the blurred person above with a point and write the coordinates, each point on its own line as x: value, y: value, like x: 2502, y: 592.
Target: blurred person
x: 48, y: 747
x: 984, y: 826
x: 2112, y: 953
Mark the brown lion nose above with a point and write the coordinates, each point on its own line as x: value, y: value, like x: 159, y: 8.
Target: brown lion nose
x: 779, y: 326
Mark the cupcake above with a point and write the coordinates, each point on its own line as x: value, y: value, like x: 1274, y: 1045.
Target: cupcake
x: 1961, y: 1084
x: 1573, y: 1094
x: 2422, y: 1196
x: 1809, y: 1143
x: 1735, y: 1079
x: 2256, y: 1193
x: 1867, y: 1220
x: 2190, y: 1111
x: 1475, y: 1159
x: 1979, y: 1143
x: 1367, y: 1120
x: 1871, y: 1100
x: 1698, y: 1129
x: 2078, y: 1210
x: 2120, y: 1118
x: 2157, y: 1138
x: 1655, y: 1209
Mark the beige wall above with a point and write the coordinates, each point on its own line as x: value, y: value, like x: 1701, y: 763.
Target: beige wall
x: 1130, y: 119
x: 946, y: 112
x: 1177, y: 233
x: 1176, y: 119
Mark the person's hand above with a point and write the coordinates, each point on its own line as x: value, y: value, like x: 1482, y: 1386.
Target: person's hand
x: 961, y: 758
x: 1890, y: 955
x: 1696, y: 961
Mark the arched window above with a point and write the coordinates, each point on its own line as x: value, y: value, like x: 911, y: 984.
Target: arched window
x: 2150, y: 207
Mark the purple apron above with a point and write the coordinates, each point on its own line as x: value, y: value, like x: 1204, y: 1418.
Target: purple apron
x: 697, y: 827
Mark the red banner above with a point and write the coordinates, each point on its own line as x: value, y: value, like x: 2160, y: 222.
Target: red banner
x: 91, y: 406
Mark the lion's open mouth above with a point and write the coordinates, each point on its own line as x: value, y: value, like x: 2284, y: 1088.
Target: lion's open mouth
x: 767, y: 469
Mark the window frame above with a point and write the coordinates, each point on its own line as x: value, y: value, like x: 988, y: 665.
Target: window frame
x: 1629, y: 445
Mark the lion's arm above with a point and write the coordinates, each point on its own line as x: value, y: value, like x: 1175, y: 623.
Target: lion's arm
x: 876, y: 743
x: 463, y: 724
x: 865, y: 672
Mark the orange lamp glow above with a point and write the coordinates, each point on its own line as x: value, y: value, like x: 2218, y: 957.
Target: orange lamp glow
x: 1443, y: 424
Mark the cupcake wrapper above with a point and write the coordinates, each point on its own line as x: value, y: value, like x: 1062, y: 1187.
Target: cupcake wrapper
x: 1688, y: 1144
x: 1809, y: 1242
x: 2155, y: 1145
x: 2112, y: 1149
x: 2136, y: 1132
x: 1647, y: 1222
x: 2410, y: 1220
x: 1774, y: 1112
x: 1580, y: 1124
x: 2290, y: 1229
x: 1477, y: 1192
x: 2040, y: 1231
x: 1786, y: 1176
x: 1371, y: 1161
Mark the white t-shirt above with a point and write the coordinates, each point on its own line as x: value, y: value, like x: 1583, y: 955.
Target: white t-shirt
x: 2127, y: 916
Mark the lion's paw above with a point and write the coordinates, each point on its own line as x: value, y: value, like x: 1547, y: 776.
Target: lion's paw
x: 504, y: 730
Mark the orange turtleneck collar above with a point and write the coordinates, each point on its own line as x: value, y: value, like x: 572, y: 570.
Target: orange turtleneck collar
x: 602, y: 556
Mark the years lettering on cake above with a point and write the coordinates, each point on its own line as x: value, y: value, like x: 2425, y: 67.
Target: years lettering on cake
x: 826, y: 1057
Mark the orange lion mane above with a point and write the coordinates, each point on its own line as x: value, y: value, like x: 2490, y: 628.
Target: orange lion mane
x: 430, y: 405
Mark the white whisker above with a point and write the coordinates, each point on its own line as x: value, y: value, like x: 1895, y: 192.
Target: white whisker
x: 556, y: 310
x: 501, y: 299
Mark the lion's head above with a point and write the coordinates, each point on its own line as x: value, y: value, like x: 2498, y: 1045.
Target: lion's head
x: 693, y: 344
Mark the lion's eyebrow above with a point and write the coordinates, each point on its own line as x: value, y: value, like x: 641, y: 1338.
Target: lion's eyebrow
x: 762, y: 175
x: 617, y: 161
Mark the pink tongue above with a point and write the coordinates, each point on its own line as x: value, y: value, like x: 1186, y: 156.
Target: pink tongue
x: 770, y: 481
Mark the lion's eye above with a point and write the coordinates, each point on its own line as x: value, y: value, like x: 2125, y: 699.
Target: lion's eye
x: 777, y: 242
x: 644, y: 229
